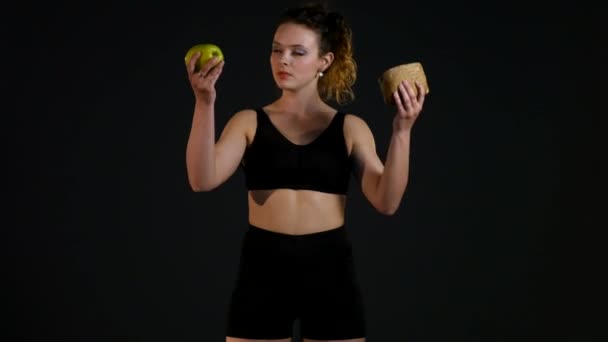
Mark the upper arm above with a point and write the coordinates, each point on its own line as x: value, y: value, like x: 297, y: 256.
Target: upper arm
x: 367, y: 165
x: 231, y: 145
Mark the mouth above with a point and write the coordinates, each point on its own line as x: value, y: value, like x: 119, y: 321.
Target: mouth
x: 283, y: 74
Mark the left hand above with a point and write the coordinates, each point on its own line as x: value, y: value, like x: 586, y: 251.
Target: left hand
x: 408, y: 105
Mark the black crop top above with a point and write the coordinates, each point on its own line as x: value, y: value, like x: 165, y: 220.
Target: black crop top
x: 272, y: 161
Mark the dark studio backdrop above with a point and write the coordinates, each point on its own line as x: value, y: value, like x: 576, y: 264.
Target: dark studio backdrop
x: 112, y: 245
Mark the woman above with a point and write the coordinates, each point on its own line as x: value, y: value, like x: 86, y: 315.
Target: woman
x: 297, y: 154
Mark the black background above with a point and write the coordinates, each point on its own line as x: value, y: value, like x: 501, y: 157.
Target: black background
x: 110, y: 243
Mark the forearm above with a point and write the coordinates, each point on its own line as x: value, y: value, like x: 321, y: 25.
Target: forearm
x: 200, y: 151
x: 393, y: 181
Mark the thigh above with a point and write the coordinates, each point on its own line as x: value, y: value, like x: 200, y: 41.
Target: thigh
x: 332, y: 306
x: 334, y: 314
x: 261, y: 306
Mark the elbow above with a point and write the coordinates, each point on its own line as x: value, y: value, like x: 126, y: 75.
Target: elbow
x: 200, y: 183
x: 387, y: 210
x: 387, y: 198
x: 388, y: 207
x: 382, y: 205
x: 196, y: 186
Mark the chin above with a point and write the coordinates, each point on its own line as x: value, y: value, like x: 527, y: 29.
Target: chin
x: 284, y: 85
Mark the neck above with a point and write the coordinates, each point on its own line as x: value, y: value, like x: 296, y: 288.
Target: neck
x: 301, y: 102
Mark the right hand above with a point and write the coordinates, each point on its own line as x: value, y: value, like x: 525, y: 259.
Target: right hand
x: 203, y: 81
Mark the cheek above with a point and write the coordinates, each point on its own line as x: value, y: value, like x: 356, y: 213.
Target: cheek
x: 274, y: 64
x: 305, y: 64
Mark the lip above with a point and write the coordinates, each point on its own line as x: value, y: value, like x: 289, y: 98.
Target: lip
x: 283, y: 74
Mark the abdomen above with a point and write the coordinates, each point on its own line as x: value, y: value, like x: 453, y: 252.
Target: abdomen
x: 296, y: 211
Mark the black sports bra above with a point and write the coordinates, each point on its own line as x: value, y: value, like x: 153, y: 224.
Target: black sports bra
x: 272, y: 161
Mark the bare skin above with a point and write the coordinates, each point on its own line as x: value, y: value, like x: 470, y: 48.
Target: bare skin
x: 300, y: 115
x: 296, y: 211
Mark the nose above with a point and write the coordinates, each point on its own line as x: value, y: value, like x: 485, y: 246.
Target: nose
x: 284, y: 59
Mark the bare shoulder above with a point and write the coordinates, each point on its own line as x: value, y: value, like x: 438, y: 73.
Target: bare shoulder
x: 244, y: 115
x: 352, y: 120
x: 354, y: 126
x: 356, y: 132
x: 244, y: 121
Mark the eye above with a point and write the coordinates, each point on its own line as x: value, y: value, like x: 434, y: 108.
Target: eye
x: 299, y: 52
x: 274, y: 50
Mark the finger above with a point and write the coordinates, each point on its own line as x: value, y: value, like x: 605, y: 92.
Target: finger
x: 407, y: 105
x: 215, y: 73
x: 411, y: 93
x: 217, y: 69
x: 398, y: 101
x: 421, y: 94
x: 192, y: 62
x: 205, y: 68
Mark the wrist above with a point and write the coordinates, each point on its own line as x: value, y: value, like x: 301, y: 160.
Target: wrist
x: 207, y: 101
x: 402, y: 126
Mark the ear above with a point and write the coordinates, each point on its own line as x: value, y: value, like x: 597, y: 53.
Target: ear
x: 326, y: 61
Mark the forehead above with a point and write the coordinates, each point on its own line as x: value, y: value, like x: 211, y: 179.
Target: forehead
x: 288, y: 34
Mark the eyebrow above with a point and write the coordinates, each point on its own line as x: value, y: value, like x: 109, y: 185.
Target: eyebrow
x: 293, y: 45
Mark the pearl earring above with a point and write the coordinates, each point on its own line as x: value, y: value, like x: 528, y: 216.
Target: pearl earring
x: 320, y: 73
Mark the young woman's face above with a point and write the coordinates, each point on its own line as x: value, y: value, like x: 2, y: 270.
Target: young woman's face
x: 295, y: 59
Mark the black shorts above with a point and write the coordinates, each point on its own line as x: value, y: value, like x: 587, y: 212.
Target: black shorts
x: 283, y: 277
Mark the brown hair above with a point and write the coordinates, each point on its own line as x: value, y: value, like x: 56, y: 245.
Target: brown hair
x: 335, y: 36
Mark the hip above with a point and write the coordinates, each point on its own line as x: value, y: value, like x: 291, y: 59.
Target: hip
x: 269, y: 258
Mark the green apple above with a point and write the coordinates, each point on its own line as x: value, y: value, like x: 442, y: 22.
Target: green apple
x: 207, y: 51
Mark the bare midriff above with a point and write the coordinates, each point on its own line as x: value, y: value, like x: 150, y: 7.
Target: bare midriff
x: 296, y: 212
